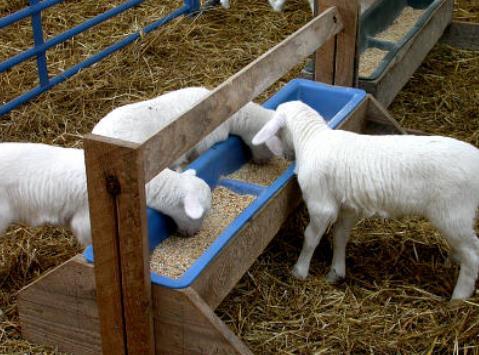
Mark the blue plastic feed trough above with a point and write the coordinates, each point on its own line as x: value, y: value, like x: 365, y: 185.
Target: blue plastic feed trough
x: 332, y: 102
x: 379, y: 17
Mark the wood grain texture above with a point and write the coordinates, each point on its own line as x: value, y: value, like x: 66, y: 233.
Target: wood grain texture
x: 371, y: 118
x: 223, y: 273
x: 379, y: 120
x: 182, y: 134
x: 356, y: 121
x: 410, y: 56
x: 336, y: 61
x: 117, y: 201
x: 185, y: 324
x: 59, y: 309
x: 464, y: 35
x: 324, y: 56
x: 346, y: 57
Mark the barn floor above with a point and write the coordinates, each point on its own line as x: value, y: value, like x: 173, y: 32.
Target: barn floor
x: 395, y: 296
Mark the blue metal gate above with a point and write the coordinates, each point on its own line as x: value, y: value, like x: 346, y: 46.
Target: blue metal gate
x: 40, y: 46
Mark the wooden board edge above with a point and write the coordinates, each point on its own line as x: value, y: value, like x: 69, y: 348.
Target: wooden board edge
x: 185, y: 131
x: 223, y: 273
x: 463, y: 35
x: 410, y: 56
x: 59, y: 309
x: 379, y: 120
x: 79, y: 258
x: 235, y: 345
x: 185, y: 324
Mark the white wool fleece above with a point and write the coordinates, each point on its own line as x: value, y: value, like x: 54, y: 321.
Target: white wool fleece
x: 345, y: 176
x: 139, y: 121
x: 42, y: 184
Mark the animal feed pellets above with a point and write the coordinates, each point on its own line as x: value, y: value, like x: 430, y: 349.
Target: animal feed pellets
x: 175, y: 255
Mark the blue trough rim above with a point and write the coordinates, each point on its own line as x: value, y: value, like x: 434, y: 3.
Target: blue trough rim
x: 264, y: 194
x: 394, y: 47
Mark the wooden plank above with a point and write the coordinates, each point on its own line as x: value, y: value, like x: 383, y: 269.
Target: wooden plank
x: 371, y: 118
x: 346, y: 58
x: 324, y: 56
x: 223, y: 273
x: 185, y: 324
x: 379, y: 120
x: 117, y: 201
x: 59, y: 309
x: 356, y: 121
x: 336, y: 61
x: 464, y: 35
x: 182, y: 134
x: 410, y: 56
x: 108, y: 274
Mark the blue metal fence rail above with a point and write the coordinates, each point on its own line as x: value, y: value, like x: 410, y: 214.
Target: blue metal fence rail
x: 40, y: 46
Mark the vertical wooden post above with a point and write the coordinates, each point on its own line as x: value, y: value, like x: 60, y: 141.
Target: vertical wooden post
x: 336, y: 61
x: 116, y: 194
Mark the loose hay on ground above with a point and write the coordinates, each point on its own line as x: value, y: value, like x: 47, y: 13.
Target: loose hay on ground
x: 467, y: 11
x: 389, y: 303
x: 176, y: 254
x: 184, y: 53
x: 395, y: 297
x: 370, y: 60
x: 401, y: 25
x: 260, y: 174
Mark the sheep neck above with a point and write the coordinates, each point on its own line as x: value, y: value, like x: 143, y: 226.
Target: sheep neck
x: 159, y: 189
x: 249, y: 120
x: 304, y: 127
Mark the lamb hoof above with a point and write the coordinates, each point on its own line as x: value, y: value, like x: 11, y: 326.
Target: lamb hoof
x: 333, y: 278
x: 298, y: 273
x: 460, y: 296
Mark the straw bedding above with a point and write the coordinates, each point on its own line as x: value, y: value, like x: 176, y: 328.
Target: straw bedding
x: 466, y: 10
x: 263, y: 174
x: 176, y: 254
x: 394, y: 299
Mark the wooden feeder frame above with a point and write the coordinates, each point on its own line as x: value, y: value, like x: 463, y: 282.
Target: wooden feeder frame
x: 438, y: 27
x: 111, y: 306
x: 464, y: 35
x: 410, y: 56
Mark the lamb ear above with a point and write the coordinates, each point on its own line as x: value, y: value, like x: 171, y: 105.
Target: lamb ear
x: 270, y: 129
x: 275, y: 145
x: 189, y: 172
x: 193, y: 208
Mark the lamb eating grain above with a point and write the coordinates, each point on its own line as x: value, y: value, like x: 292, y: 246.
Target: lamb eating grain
x: 176, y: 254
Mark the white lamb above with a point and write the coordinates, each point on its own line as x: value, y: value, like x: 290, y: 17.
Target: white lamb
x: 139, y: 121
x: 42, y: 184
x: 345, y: 176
